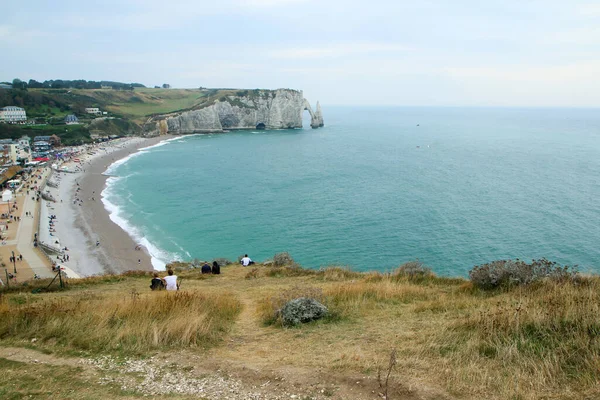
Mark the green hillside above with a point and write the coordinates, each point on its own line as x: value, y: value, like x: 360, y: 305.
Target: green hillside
x: 129, y: 108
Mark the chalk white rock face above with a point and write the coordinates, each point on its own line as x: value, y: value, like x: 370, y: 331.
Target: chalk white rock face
x: 286, y: 109
x: 317, y: 118
x: 203, y: 120
x: 265, y: 109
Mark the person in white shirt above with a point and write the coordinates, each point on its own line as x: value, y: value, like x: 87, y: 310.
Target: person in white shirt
x: 246, y: 260
x: 171, y: 281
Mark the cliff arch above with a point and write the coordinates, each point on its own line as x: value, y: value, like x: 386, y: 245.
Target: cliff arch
x: 316, y: 118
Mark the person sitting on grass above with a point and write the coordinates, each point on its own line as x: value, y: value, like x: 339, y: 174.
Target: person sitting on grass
x: 156, y: 283
x: 206, y: 268
x: 216, y: 269
x: 171, y: 281
x: 246, y: 261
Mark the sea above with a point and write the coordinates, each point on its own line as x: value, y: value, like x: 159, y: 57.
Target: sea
x: 374, y: 188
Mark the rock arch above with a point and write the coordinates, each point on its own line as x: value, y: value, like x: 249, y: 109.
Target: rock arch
x: 316, y: 118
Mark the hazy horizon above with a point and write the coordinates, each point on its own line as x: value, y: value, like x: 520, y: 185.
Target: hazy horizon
x: 430, y: 53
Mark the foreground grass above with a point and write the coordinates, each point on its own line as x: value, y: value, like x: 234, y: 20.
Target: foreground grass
x: 132, y: 323
x: 533, y: 342
x: 22, y: 380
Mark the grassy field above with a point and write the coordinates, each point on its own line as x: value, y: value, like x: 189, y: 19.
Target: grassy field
x: 144, y: 102
x: 451, y: 339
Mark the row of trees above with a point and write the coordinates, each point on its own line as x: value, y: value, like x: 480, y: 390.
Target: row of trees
x: 74, y: 84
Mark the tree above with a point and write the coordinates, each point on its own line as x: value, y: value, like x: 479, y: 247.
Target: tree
x: 166, y: 86
x: 35, y: 84
x: 19, y: 84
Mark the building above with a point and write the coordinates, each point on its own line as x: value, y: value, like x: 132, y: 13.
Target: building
x: 14, y: 153
x: 25, y: 141
x: 41, y: 149
x: 5, y: 86
x: 18, y: 155
x: 93, y: 110
x: 71, y: 120
x: 12, y: 114
x: 41, y: 139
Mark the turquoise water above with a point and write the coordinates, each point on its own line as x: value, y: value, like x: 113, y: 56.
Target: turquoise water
x: 453, y: 187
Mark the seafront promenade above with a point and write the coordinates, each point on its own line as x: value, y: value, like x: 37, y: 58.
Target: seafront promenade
x: 19, y: 231
x: 28, y: 225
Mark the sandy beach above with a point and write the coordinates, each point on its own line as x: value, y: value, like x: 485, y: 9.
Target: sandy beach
x: 94, y: 243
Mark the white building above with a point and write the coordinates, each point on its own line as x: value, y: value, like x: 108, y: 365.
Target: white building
x: 14, y: 152
x: 93, y: 110
x: 25, y: 141
x: 18, y: 154
x: 12, y: 114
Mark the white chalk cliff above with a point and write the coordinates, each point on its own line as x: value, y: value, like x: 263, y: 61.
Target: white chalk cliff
x: 244, y: 109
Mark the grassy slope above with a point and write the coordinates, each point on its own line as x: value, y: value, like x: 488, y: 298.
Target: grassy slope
x: 452, y: 340
x: 141, y: 103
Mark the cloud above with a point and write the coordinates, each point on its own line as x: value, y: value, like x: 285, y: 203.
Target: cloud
x: 13, y: 36
x: 589, y: 10
x: 553, y: 74
x: 337, y: 50
x: 580, y: 36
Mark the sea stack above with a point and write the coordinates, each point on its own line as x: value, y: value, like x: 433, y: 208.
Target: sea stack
x: 317, y: 118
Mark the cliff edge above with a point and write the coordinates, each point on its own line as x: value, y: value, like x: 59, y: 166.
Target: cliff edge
x: 239, y: 109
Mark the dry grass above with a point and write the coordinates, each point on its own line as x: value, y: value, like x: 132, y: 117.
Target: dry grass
x: 132, y: 323
x: 546, y: 337
x: 452, y: 339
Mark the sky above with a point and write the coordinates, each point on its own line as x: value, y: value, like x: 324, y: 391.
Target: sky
x: 340, y: 52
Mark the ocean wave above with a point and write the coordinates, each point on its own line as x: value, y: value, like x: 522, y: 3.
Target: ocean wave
x: 161, y: 143
x: 110, y: 171
x: 113, y: 167
x: 158, y: 257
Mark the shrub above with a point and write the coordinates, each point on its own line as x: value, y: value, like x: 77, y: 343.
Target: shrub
x: 505, y: 273
x: 270, y: 308
x: 302, y: 310
x: 282, y: 259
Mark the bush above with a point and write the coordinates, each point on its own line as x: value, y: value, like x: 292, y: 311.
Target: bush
x: 282, y: 259
x: 270, y: 308
x: 506, y: 273
x: 302, y: 310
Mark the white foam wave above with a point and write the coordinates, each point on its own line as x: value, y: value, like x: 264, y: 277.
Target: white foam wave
x: 113, y: 167
x: 158, y: 257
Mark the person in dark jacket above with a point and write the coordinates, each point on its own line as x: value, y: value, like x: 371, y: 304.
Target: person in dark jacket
x: 206, y: 268
x: 157, y: 283
x: 216, y: 269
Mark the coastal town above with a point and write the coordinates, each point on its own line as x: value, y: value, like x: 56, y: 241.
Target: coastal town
x: 37, y: 180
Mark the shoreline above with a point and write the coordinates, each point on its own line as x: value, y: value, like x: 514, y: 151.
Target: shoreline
x: 97, y: 244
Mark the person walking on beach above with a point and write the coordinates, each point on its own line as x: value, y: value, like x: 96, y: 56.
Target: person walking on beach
x: 171, y: 281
